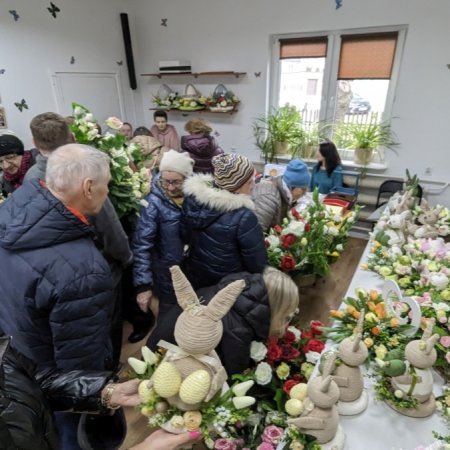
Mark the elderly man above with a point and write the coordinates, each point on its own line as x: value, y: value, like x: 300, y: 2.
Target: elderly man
x: 55, y: 286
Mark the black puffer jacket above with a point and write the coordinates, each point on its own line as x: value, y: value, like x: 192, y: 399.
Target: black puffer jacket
x: 55, y: 286
x: 248, y: 320
x: 222, y: 232
x: 25, y: 415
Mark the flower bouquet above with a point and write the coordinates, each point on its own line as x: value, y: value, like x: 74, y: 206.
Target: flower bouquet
x: 310, y: 241
x: 222, y: 102
x: 127, y: 187
x: 171, y: 101
x: 2, y: 199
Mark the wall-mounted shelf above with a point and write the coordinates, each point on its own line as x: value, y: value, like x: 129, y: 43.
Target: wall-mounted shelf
x: 198, y: 111
x: 196, y: 74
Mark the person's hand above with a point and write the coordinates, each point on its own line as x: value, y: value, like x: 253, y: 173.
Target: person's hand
x: 144, y: 300
x: 162, y: 440
x: 126, y: 393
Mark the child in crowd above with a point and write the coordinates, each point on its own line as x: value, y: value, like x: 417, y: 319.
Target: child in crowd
x: 165, y: 133
x: 200, y: 145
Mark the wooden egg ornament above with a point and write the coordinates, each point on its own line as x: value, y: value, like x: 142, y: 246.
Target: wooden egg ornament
x: 195, y: 387
x: 166, y: 380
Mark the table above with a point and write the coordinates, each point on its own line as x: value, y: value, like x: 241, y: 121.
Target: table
x: 379, y: 427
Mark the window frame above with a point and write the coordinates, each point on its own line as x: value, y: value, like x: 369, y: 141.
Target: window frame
x: 330, y: 81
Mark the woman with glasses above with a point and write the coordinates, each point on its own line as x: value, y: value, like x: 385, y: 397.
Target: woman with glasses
x: 327, y: 173
x: 156, y: 242
x: 14, y: 163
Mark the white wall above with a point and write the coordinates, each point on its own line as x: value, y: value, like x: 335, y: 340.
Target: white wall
x: 226, y: 35
x: 37, y: 44
x: 234, y: 35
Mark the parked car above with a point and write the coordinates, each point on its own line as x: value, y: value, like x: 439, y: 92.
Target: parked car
x: 358, y: 105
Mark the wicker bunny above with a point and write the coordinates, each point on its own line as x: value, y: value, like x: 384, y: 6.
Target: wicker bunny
x: 417, y: 381
x: 352, y: 352
x: 192, y: 373
x: 320, y: 417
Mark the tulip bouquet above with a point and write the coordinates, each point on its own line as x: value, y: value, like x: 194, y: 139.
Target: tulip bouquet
x: 310, y: 240
x: 381, y: 329
x: 127, y: 187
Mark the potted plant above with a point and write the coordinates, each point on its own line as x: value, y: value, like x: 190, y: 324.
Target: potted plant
x: 278, y: 131
x: 365, y: 139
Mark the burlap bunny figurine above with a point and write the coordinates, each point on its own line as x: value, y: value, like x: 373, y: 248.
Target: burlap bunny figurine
x: 417, y: 381
x: 320, y: 417
x: 192, y: 373
x: 352, y: 352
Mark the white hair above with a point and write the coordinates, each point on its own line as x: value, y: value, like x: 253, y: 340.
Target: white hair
x: 70, y: 164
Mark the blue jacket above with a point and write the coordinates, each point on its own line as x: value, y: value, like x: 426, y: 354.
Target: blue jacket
x: 222, y: 232
x: 55, y: 286
x: 157, y: 245
x: 321, y: 179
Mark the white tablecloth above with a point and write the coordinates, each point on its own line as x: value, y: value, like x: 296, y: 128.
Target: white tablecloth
x: 379, y: 427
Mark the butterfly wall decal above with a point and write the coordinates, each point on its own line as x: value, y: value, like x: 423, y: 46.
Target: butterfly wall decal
x: 119, y: 63
x: 338, y: 3
x: 72, y: 60
x: 53, y: 10
x: 164, y: 22
x: 2, y: 71
x: 257, y: 74
x: 216, y: 133
x: 16, y: 16
x: 21, y: 105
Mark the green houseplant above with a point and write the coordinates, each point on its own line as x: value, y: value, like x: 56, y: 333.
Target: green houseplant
x: 365, y: 139
x: 278, y: 132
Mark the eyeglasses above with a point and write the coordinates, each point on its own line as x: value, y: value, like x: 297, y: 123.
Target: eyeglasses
x: 8, y: 158
x: 174, y: 183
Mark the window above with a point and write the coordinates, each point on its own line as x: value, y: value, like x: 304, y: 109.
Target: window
x: 340, y: 76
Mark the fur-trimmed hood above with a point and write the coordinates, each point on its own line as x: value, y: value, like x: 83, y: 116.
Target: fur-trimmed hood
x: 201, y: 188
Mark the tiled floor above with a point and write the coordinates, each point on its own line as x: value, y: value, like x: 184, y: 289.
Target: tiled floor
x: 315, y: 302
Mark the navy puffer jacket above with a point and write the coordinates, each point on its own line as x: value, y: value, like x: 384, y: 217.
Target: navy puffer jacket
x: 157, y: 244
x: 55, y: 286
x: 222, y: 232
x: 201, y: 148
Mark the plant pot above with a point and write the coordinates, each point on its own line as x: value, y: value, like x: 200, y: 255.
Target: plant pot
x: 363, y: 156
x: 281, y: 148
x: 304, y: 279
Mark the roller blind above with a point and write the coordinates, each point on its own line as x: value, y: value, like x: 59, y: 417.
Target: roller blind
x: 303, y: 47
x: 369, y: 56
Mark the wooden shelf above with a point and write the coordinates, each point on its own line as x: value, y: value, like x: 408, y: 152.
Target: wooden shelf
x: 198, y: 111
x: 196, y: 74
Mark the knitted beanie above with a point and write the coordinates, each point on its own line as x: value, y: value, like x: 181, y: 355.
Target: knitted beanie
x: 231, y: 171
x: 296, y: 174
x: 10, y: 144
x: 174, y: 161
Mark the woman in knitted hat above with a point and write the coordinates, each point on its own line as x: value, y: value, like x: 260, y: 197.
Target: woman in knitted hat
x: 156, y: 242
x: 274, y: 197
x: 219, y: 225
x: 327, y: 173
x: 14, y: 162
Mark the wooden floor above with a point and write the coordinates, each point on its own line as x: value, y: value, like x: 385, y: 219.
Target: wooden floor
x: 315, y: 302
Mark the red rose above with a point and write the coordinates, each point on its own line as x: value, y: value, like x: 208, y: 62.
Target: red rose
x: 296, y: 214
x: 287, y: 240
x: 288, y: 353
x: 307, y: 334
x: 314, y: 345
x: 273, y: 353
x: 307, y: 227
x: 288, y: 263
x: 316, y: 326
x: 277, y: 229
x: 288, y: 385
x: 289, y: 337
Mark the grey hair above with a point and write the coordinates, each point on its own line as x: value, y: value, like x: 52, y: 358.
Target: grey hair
x: 70, y: 164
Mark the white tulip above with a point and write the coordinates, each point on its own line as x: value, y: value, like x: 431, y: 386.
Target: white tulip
x: 137, y: 365
x: 242, y: 388
x: 148, y: 355
x: 243, y: 402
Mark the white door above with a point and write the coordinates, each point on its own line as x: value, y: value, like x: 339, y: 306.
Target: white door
x: 97, y: 91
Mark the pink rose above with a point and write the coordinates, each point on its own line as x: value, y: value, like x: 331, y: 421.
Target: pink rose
x: 224, y: 444
x: 265, y: 446
x: 445, y: 341
x: 272, y: 434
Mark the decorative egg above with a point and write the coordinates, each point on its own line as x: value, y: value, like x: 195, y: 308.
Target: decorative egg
x: 298, y: 391
x: 394, y: 368
x: 190, y: 91
x: 166, y: 380
x: 294, y: 407
x: 145, y: 392
x: 195, y: 387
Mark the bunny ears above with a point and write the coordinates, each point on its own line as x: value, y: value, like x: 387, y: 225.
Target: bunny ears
x: 219, y: 305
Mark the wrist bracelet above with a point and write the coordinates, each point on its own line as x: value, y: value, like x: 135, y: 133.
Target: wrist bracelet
x: 106, y: 398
